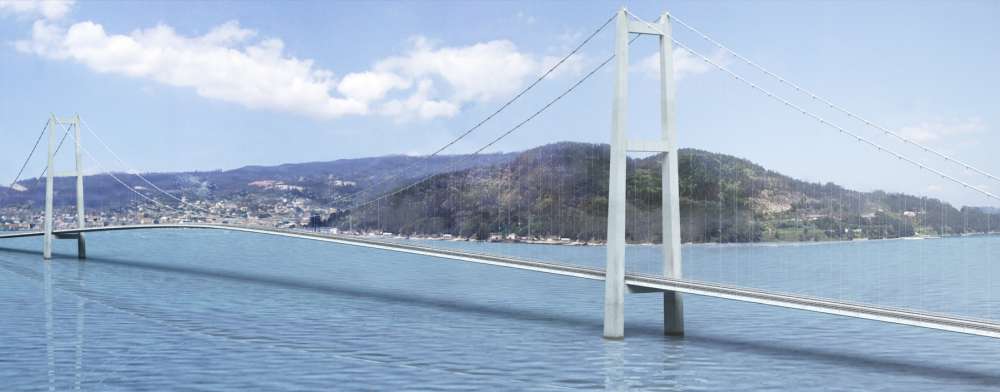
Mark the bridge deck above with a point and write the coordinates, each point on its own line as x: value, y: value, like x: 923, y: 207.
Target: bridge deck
x: 636, y: 282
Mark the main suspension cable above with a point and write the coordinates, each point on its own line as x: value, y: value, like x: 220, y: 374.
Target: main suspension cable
x: 30, y: 154
x: 136, y: 172
x: 501, y: 108
x: 129, y: 187
x: 54, y: 153
x: 833, y: 106
x: 503, y: 135
x: 820, y: 119
x: 841, y: 129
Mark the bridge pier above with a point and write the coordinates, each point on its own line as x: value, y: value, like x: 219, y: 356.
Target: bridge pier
x: 81, y: 243
x: 81, y: 247
x: 673, y: 314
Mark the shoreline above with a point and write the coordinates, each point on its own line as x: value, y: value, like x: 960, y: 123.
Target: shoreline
x: 569, y: 242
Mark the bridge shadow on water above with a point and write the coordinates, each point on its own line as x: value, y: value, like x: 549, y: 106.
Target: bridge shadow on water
x: 784, y: 349
x: 338, y: 290
x: 840, y: 358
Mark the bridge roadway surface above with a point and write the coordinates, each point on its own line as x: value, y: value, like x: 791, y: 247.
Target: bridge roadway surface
x: 635, y: 282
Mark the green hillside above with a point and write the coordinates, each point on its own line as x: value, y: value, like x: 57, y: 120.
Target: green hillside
x: 560, y: 190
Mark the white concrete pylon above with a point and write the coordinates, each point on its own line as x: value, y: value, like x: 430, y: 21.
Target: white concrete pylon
x: 80, y: 217
x: 53, y: 125
x: 614, y: 292
x: 614, y: 283
x: 673, y: 305
x: 49, y: 178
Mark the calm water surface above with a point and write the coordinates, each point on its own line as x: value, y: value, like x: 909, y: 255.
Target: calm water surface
x: 211, y: 310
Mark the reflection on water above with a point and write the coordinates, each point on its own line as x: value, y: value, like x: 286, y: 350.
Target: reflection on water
x: 49, y: 343
x: 188, y: 309
x: 80, y: 320
x: 614, y: 368
x: 50, y: 340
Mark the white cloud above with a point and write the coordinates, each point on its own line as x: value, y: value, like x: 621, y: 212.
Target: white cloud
x: 420, y: 105
x: 685, y: 63
x: 226, y: 34
x: 256, y: 75
x: 370, y: 86
x: 230, y: 63
x: 481, y: 71
x: 930, y: 131
x: 48, y: 9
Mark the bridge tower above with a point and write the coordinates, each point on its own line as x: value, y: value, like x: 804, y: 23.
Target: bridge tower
x: 50, y: 174
x: 614, y: 291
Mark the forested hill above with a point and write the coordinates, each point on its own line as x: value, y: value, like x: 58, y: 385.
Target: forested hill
x: 333, y: 183
x: 560, y: 190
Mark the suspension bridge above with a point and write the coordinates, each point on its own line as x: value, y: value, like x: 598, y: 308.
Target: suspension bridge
x: 618, y: 215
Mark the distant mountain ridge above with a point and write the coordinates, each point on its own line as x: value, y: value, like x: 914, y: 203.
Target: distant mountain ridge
x: 555, y: 190
x: 334, y: 182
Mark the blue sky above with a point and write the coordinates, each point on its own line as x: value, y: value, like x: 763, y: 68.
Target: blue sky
x: 217, y: 85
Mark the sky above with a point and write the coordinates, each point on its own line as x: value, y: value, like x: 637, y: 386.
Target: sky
x: 176, y: 85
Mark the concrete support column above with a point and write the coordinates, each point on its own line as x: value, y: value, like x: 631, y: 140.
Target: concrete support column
x: 81, y: 244
x: 49, y: 178
x: 614, y: 283
x: 673, y: 306
x: 81, y: 247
